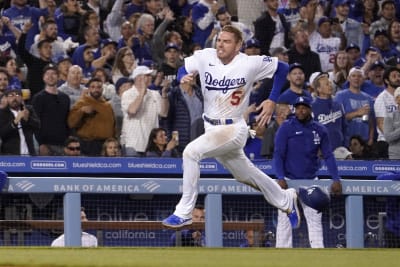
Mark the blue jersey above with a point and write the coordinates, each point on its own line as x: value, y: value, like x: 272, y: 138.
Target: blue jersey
x: 200, y: 12
x: 351, y: 102
x: 20, y: 16
x: 330, y: 113
x: 297, y: 147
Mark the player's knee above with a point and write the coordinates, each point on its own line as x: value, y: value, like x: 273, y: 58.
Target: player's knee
x: 190, y: 153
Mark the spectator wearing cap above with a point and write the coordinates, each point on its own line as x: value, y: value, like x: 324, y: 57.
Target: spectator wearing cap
x: 73, y: 86
x: 122, y: 85
x: 92, y: 41
x: 374, y: 85
x: 296, y: 89
x: 223, y: 19
x: 358, y: 108
x: 49, y: 31
x: 124, y: 64
x: 107, y: 56
x: 185, y: 112
x: 35, y: 64
x: 142, y: 108
x: 52, y: 107
x: 341, y: 67
x: 382, y: 42
x: 252, y: 47
x: 291, y: 12
x: 171, y: 63
x: 327, y: 111
x: 281, y: 53
x: 391, y: 128
x: 325, y: 43
x: 394, y: 62
x: 63, y: 65
x: 387, y: 15
x: 352, y: 28
x: 354, y: 52
x: 271, y: 28
x: 299, y: 142
x: 134, y: 6
x: 203, y: 17
x: 92, y: 118
x: 18, y: 123
x: 384, y: 106
x: 301, y: 53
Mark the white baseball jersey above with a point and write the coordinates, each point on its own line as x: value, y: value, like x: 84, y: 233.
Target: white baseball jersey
x: 326, y: 48
x: 228, y: 90
x: 383, y: 106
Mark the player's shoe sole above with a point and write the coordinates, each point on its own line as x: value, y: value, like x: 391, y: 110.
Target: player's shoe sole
x: 174, y: 221
x: 294, y: 212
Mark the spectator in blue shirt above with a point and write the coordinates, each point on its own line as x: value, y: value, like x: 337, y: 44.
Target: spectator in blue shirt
x: 203, y: 16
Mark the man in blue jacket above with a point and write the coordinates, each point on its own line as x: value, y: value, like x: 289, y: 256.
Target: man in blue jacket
x: 298, y: 143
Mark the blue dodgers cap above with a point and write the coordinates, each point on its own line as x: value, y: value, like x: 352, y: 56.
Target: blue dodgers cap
x: 337, y: 3
x: 294, y: 66
x: 323, y: 19
x: 121, y: 81
x: 377, y: 63
x: 302, y: 100
x: 108, y: 41
x: 352, y: 46
x: 252, y: 43
x: 315, y: 197
x: 63, y: 58
x: 3, y: 179
x: 372, y: 48
x: 379, y: 33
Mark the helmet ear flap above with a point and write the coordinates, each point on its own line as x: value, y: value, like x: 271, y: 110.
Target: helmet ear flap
x: 315, y: 197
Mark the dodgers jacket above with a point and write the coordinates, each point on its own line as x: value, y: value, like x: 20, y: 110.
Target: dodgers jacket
x: 297, y: 147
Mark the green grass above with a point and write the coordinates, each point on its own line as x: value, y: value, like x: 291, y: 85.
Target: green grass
x: 197, y: 257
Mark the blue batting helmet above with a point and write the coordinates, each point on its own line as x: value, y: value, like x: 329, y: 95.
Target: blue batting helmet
x: 3, y: 179
x: 315, y: 197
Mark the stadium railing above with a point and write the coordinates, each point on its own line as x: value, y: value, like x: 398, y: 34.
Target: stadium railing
x: 34, y: 175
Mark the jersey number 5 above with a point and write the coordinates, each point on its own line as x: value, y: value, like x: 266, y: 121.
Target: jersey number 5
x: 236, y: 97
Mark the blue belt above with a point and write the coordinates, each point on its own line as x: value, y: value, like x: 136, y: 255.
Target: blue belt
x: 218, y: 121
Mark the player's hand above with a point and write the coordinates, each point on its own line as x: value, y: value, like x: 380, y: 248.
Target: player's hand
x: 267, y: 108
x: 188, y: 78
x: 336, y: 188
x: 282, y: 183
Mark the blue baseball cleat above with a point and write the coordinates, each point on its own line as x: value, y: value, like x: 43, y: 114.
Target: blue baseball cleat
x: 294, y: 212
x: 174, y: 221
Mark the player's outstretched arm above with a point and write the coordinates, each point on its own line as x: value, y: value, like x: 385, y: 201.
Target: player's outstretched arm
x: 267, y: 107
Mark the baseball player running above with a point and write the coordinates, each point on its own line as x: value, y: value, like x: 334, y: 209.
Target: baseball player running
x: 227, y: 77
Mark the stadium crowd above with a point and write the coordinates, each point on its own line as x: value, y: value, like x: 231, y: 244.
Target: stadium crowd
x: 102, y: 72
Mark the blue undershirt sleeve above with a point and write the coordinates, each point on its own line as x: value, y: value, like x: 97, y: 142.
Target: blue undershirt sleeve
x: 279, y: 80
